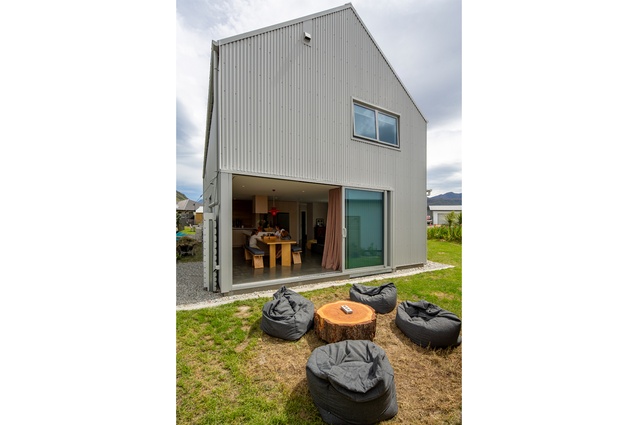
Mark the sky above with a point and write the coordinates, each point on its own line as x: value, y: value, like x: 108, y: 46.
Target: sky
x: 420, y: 38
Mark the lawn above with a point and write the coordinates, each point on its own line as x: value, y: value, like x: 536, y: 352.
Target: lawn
x: 230, y: 372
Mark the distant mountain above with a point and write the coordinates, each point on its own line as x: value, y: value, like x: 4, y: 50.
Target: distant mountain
x: 180, y: 196
x: 449, y: 198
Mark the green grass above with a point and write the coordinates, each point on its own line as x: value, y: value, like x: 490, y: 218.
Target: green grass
x: 224, y: 363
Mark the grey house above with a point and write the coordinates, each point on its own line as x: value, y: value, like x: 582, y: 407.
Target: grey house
x: 310, y: 128
x: 440, y: 212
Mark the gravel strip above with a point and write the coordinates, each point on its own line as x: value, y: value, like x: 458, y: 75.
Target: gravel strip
x: 192, y: 296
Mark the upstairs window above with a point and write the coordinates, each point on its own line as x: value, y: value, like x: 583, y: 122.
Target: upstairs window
x: 373, y: 124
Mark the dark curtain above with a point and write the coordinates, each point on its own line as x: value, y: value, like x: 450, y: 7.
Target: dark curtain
x: 332, y: 247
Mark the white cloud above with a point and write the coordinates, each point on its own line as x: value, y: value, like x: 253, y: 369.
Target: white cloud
x: 444, y: 158
x: 444, y: 144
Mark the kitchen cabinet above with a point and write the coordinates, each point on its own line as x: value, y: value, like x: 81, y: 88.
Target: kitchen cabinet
x: 260, y: 204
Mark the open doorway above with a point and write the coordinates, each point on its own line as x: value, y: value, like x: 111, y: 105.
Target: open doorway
x: 299, y: 206
x: 304, y: 226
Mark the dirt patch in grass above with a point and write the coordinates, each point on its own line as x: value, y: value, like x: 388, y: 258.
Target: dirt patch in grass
x: 243, y: 311
x: 443, y: 296
x: 428, y: 382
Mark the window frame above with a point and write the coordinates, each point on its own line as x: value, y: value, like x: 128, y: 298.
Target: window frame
x: 377, y: 110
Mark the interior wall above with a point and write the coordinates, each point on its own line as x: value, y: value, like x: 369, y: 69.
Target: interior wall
x: 292, y: 208
x: 316, y: 210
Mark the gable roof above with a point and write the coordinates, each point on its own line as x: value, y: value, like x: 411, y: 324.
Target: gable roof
x: 187, y: 205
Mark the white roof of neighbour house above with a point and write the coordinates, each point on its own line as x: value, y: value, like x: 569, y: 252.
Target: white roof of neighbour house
x: 445, y: 207
x: 200, y: 209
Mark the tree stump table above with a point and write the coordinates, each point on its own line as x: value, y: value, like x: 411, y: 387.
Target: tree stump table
x: 332, y: 324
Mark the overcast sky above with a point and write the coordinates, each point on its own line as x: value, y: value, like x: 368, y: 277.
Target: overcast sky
x: 420, y: 38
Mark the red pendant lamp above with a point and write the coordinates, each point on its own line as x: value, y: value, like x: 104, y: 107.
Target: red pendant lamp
x: 273, y: 210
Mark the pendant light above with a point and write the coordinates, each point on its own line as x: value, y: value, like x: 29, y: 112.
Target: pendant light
x: 273, y: 210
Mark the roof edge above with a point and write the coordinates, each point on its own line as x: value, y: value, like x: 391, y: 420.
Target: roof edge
x: 283, y: 24
x: 209, y: 110
x: 390, y: 65
x: 445, y: 207
x: 346, y: 6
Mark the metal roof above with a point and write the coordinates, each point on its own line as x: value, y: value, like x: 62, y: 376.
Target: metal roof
x: 445, y: 207
x: 187, y: 205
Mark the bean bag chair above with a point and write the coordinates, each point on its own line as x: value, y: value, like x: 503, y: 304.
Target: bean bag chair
x: 427, y: 324
x: 288, y: 315
x: 352, y: 382
x: 382, y: 298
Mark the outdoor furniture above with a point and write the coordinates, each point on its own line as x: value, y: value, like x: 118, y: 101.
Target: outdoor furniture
x: 333, y: 324
x: 382, y: 298
x: 288, y: 315
x: 428, y: 325
x: 185, y: 250
x: 352, y: 382
x: 185, y: 245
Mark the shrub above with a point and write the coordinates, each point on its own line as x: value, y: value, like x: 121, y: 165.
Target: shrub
x: 448, y: 233
x: 186, y: 240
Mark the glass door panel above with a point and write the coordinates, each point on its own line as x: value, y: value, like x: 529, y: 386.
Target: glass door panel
x: 364, y: 228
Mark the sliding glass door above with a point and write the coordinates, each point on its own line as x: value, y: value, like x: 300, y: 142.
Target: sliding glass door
x: 365, y: 228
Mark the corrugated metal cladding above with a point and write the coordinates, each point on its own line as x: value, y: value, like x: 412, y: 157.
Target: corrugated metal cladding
x: 287, y: 105
x: 286, y: 111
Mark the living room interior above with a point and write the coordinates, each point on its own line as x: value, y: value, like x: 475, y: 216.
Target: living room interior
x: 299, y: 207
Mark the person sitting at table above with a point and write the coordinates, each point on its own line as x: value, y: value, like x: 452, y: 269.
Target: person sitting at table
x: 278, y: 231
x: 253, y: 239
x: 285, y: 236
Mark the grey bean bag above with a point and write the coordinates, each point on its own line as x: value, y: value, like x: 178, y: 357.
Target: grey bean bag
x: 427, y: 324
x: 382, y: 298
x: 288, y: 315
x: 352, y: 382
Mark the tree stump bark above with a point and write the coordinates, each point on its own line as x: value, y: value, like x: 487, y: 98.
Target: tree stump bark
x: 333, y: 325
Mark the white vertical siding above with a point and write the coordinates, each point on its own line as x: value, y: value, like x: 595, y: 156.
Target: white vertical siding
x: 286, y: 111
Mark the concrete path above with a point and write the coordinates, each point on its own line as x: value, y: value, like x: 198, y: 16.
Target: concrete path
x: 191, y: 294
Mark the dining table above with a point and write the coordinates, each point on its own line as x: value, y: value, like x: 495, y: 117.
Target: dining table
x: 286, y: 253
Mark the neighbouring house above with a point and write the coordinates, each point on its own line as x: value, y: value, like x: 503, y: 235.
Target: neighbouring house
x: 186, y: 209
x: 199, y: 215
x: 310, y: 128
x: 439, y: 212
x: 187, y: 206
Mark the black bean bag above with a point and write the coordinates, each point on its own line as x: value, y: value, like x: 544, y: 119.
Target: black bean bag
x: 288, y: 315
x: 382, y: 298
x: 352, y: 382
x: 427, y: 324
